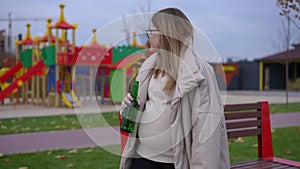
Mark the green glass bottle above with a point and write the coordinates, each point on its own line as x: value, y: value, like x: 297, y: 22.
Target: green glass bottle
x: 130, y: 112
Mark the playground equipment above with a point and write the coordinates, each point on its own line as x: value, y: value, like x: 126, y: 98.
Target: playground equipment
x: 10, y: 72
x: 43, y: 72
x: 100, y: 66
x: 4, y: 84
x: 70, y: 99
x: 30, y: 68
x: 48, y: 59
x: 61, y: 59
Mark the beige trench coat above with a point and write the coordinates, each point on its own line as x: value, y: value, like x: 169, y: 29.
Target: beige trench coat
x: 197, y: 123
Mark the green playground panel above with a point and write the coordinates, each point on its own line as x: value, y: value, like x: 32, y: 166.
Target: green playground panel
x: 116, y: 85
x: 121, y: 52
x: 26, y: 57
x: 49, y: 55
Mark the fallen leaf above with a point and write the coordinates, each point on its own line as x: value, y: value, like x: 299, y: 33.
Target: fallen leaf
x: 7, y: 160
x: 1, y: 155
x: 72, y: 151
x: 23, y: 168
x: 287, y: 152
x: 37, y: 129
x: 254, y: 145
x: 273, y: 130
x: 239, y: 140
x: 70, y: 165
x: 58, y: 156
x: 57, y: 127
x: 4, y: 127
x: 88, y: 151
x: 63, y: 156
x: 25, y: 128
x: 49, y: 152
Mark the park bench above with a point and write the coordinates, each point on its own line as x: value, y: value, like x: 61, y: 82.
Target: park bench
x: 250, y: 120
x: 254, y: 120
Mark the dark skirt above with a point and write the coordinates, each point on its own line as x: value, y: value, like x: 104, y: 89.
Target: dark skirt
x: 143, y: 163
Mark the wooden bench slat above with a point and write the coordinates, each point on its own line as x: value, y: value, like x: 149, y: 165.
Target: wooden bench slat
x: 238, y: 107
x: 243, y: 133
x: 269, y: 165
x: 242, y: 115
x: 247, y: 163
x: 243, y: 124
x: 259, y: 164
x: 282, y: 166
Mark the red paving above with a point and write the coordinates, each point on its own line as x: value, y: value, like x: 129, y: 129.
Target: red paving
x: 68, y: 139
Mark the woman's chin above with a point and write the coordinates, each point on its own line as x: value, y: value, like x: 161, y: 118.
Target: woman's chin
x: 152, y: 49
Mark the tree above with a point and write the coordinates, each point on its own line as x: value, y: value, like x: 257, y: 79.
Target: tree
x: 291, y: 10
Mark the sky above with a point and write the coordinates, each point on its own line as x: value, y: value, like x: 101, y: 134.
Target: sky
x: 238, y: 29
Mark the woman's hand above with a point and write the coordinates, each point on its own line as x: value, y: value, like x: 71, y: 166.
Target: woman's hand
x: 127, y: 100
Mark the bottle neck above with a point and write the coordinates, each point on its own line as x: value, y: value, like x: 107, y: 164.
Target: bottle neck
x: 134, y: 90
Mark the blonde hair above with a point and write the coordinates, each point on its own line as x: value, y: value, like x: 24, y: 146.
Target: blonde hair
x: 174, y: 28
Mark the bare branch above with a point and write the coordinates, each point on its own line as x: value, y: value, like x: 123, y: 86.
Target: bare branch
x: 294, y: 22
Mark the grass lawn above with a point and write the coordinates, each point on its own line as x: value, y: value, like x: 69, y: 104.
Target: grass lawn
x: 62, y: 122
x: 65, y: 122
x: 87, y: 158
x: 282, y: 108
x: 286, y: 143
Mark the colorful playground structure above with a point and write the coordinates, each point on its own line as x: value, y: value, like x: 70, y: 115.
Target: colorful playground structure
x: 49, y: 70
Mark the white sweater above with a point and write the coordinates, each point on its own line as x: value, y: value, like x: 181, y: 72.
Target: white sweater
x: 154, y: 129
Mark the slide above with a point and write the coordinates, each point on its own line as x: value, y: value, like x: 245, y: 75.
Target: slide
x: 70, y: 99
x: 3, y: 70
x: 5, y: 85
x: 21, y: 80
x: 10, y: 72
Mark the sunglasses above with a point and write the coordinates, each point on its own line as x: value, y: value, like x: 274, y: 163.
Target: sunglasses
x: 148, y: 32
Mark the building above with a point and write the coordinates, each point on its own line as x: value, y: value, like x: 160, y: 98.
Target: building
x: 266, y: 73
x: 272, y: 70
x: 243, y: 75
x: 2, y: 40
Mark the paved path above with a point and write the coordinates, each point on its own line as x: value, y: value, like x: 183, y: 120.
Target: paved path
x: 68, y: 139
x: 285, y: 119
x: 230, y: 97
x: 234, y: 97
x: 8, y: 111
